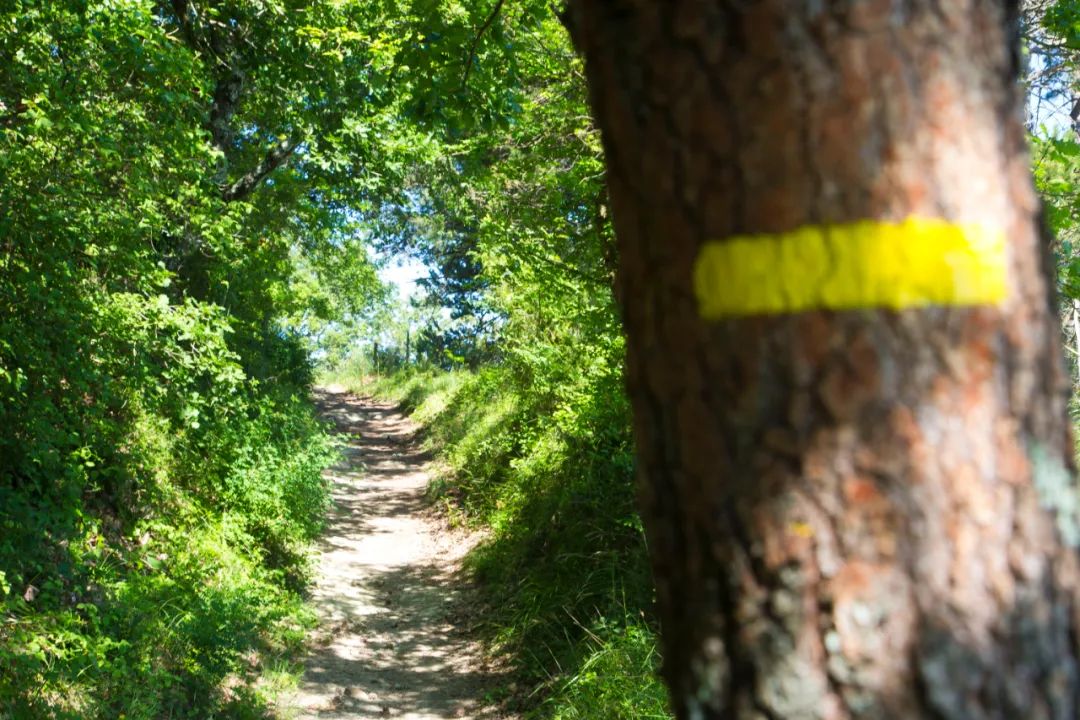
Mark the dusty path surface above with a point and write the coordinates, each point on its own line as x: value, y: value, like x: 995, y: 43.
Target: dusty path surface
x: 390, y: 598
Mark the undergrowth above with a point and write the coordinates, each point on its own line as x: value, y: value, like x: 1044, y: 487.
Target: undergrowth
x: 189, y: 610
x: 564, y: 569
x: 154, y: 534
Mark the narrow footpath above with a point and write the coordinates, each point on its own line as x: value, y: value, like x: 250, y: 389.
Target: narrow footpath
x: 392, y: 641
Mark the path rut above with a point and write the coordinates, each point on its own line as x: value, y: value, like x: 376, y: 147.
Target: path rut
x: 389, y: 592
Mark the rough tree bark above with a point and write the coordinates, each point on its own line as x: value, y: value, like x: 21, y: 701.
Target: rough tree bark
x: 864, y: 512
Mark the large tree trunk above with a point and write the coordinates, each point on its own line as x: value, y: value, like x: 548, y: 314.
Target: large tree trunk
x: 850, y: 408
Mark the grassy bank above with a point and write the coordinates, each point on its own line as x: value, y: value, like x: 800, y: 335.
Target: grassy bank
x: 564, y: 569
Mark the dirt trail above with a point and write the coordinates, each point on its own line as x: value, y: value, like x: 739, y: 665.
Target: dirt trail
x: 388, y: 592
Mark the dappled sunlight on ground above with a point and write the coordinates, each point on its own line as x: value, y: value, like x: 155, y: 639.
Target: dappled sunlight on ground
x: 393, y: 634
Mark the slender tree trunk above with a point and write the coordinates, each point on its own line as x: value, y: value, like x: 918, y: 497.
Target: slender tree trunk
x: 850, y: 406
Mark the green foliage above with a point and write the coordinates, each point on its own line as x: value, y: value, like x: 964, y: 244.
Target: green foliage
x: 1061, y: 19
x: 189, y: 598
x: 184, y: 217
x: 1055, y: 167
x: 173, y: 625
x: 609, y: 682
x: 1057, y: 180
x: 159, y: 460
x: 511, y: 218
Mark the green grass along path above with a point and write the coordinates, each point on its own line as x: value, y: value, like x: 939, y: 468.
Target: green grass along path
x: 393, y: 639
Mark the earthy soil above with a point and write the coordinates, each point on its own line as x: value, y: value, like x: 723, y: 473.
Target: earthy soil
x: 394, y: 636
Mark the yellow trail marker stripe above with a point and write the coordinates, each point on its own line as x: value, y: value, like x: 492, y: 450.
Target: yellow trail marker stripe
x: 864, y: 264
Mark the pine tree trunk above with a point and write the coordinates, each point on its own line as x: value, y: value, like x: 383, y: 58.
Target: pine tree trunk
x: 859, y: 503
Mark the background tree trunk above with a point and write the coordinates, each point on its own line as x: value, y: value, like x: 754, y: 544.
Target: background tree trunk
x: 866, y: 513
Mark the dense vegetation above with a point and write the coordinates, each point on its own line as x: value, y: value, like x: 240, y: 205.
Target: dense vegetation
x: 191, y: 196
x: 159, y: 459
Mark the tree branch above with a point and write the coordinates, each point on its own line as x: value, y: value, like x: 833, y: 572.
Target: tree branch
x: 476, y: 41
x: 275, y: 158
x: 219, y: 43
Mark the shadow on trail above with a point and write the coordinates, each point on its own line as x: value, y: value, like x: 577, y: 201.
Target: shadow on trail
x: 408, y: 663
x: 394, y: 638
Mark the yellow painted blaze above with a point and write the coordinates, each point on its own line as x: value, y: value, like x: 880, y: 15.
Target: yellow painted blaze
x: 864, y: 264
